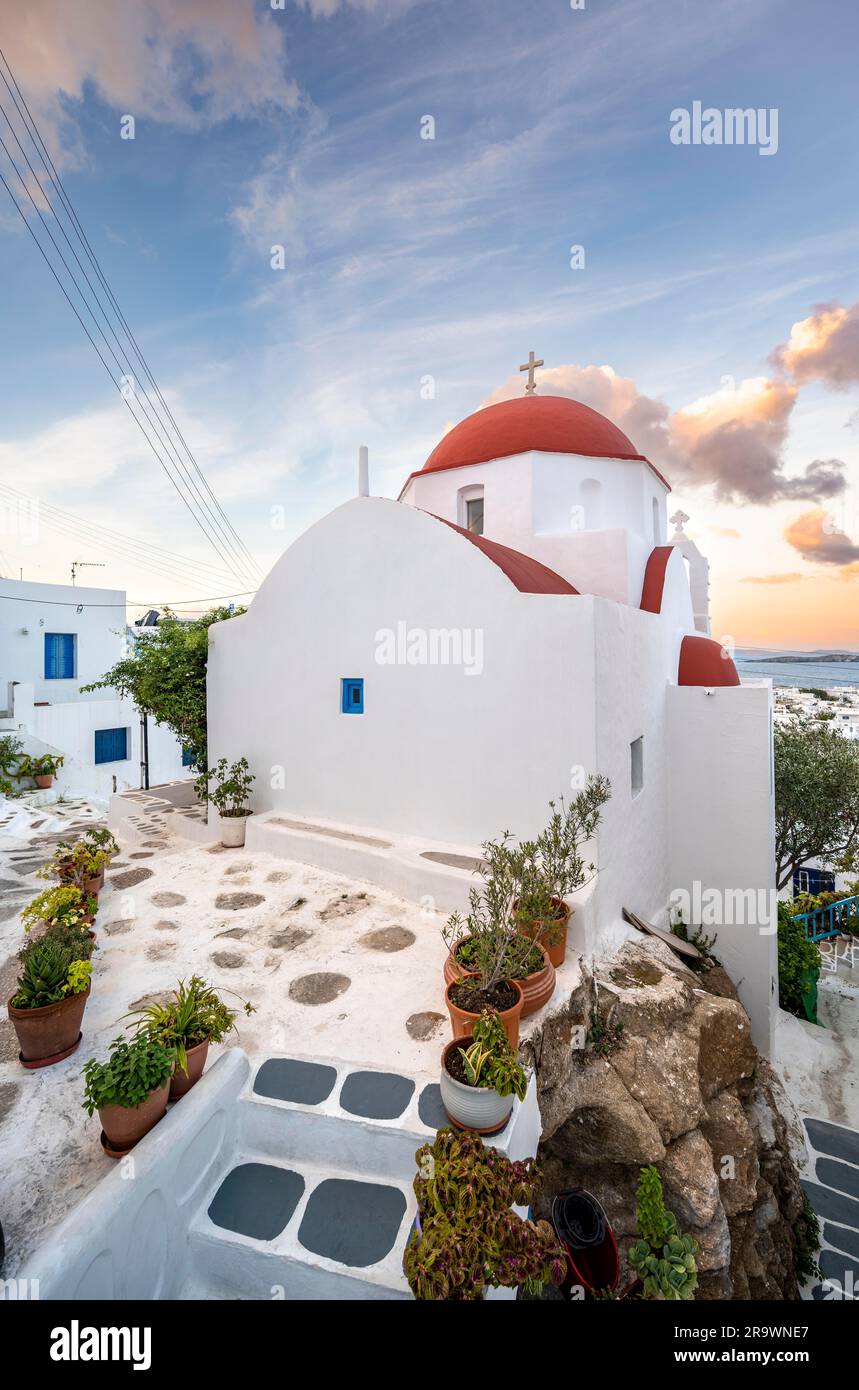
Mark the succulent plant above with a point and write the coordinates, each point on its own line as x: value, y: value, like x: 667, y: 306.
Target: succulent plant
x: 49, y: 974
x: 663, y: 1259
x: 469, y: 1238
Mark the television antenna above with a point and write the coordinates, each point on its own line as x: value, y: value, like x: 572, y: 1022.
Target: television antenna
x: 86, y: 564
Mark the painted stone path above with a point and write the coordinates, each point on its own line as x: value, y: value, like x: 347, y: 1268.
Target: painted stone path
x: 833, y: 1190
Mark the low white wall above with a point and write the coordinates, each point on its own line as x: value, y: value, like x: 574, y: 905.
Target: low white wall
x: 721, y: 830
x: 128, y: 1239
x: 70, y: 729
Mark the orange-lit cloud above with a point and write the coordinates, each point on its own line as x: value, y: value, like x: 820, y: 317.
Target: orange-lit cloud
x: 815, y: 536
x: 824, y: 347
x: 772, y: 578
x: 191, y: 64
x: 731, y: 441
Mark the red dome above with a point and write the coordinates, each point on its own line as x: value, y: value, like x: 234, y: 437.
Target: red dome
x: 550, y: 424
x: 703, y: 661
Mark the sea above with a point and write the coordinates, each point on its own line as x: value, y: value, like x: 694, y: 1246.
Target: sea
x: 822, y: 675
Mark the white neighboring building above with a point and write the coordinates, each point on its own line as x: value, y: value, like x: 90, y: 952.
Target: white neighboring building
x: 54, y: 638
x: 399, y: 672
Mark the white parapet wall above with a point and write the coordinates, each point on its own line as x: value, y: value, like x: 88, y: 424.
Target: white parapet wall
x: 721, y: 834
x: 128, y: 1239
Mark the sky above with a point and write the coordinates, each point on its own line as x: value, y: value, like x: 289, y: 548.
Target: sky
x: 346, y: 222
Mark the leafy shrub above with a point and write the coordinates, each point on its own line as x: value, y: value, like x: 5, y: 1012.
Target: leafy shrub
x: 232, y: 787
x: 469, y: 1237
x: 798, y: 963
x: 131, y: 1073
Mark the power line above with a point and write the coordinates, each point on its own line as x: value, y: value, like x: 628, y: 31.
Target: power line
x: 155, y: 557
x: 129, y: 602
x: 213, y: 538
x: 237, y: 555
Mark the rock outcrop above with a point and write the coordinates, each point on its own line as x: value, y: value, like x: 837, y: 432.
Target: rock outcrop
x: 674, y: 1080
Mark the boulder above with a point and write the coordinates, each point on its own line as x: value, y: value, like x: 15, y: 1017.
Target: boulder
x: 734, y: 1151
x: 726, y: 1052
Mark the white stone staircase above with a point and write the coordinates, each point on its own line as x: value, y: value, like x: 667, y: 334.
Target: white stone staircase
x: 324, y: 1213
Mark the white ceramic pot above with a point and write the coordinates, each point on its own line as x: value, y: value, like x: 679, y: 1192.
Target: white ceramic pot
x: 472, y: 1107
x: 233, y: 830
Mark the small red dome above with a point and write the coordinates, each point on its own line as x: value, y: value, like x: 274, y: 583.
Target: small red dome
x: 703, y: 661
x: 550, y: 424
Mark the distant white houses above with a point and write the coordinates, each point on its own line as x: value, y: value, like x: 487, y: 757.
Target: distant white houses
x: 54, y: 639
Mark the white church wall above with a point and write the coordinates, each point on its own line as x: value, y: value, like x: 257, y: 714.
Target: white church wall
x: 438, y: 752
x: 591, y: 520
x: 721, y: 831
x: 632, y: 674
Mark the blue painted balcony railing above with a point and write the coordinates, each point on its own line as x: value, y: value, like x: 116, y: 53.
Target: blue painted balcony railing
x: 824, y: 922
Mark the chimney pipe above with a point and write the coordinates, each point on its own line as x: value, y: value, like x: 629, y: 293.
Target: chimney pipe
x: 363, y: 471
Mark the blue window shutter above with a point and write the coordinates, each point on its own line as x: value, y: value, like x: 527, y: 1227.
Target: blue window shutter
x: 111, y: 745
x: 59, y: 656
x: 352, y: 695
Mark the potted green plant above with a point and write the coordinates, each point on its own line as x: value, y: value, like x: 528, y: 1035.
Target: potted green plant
x: 494, y: 950
x: 195, y: 1017
x: 129, y: 1090
x: 10, y: 764
x: 480, y: 1076
x: 663, y: 1259
x: 42, y: 769
x: 489, y: 945
x: 81, y: 864
x: 466, y: 1236
x: 551, y: 867
x: 229, y: 796
x: 48, y: 1005
x: 65, y: 903
x: 99, y: 837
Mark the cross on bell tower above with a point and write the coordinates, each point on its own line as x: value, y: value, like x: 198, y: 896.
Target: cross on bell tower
x: 530, y: 367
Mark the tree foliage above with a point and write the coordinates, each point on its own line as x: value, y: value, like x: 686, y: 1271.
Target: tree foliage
x: 166, y: 677
x: 816, y: 797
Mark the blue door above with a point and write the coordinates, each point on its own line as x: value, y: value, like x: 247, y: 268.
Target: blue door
x: 60, y: 656
x: 111, y: 745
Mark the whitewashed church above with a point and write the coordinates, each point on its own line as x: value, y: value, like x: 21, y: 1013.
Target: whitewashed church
x: 416, y: 676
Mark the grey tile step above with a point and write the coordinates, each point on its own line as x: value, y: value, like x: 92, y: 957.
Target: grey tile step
x: 834, y: 1140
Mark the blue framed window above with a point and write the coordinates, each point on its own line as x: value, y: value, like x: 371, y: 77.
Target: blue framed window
x: 111, y: 745
x: 60, y: 656
x: 352, y: 696
x: 187, y: 757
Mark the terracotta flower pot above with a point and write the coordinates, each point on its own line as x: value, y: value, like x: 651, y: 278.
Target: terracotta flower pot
x: 472, y: 1107
x: 537, y: 989
x: 93, y: 886
x: 462, y: 1022
x: 556, y: 929
x: 181, y: 1082
x: 49, y: 1034
x: 45, y: 781
x: 125, y: 1125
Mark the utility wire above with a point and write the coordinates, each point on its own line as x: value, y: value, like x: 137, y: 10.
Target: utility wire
x: 29, y: 122
x: 235, y: 553
x: 120, y: 366
x: 129, y: 602
x: 156, y: 557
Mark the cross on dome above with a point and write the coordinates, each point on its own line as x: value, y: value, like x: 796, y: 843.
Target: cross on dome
x: 530, y: 367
